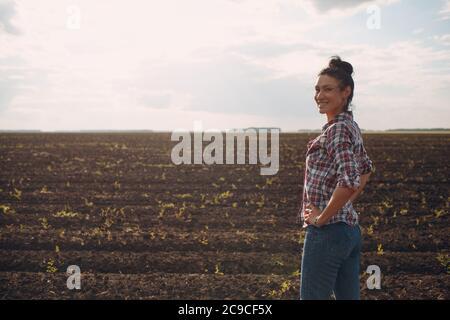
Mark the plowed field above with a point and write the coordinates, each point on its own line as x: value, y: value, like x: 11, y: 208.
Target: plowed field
x: 140, y: 227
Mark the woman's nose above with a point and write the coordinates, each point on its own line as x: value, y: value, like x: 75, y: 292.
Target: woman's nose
x: 319, y: 94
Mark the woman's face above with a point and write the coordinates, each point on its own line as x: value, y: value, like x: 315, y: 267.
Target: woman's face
x: 329, y: 97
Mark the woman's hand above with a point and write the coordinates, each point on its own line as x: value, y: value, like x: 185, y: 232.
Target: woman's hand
x: 311, y: 212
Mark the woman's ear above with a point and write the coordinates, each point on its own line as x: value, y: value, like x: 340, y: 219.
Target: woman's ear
x: 347, y: 92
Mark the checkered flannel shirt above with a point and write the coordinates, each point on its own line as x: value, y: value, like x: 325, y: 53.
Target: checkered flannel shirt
x: 336, y: 158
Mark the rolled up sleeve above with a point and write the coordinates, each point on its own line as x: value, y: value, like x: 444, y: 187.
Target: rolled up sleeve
x: 340, y: 148
x: 366, y: 165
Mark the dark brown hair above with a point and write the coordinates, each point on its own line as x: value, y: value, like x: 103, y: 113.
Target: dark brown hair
x: 341, y: 71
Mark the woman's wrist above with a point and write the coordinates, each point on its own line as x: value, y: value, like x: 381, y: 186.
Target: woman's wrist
x: 317, y: 221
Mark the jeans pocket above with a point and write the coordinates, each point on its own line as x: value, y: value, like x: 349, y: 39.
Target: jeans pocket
x: 340, y: 240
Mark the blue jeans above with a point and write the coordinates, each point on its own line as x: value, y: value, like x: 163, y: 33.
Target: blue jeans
x: 330, y: 262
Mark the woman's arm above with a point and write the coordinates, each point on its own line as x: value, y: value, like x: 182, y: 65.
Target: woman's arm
x: 338, y: 199
x: 364, y: 179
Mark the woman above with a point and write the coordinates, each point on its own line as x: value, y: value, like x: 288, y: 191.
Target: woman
x: 337, y: 169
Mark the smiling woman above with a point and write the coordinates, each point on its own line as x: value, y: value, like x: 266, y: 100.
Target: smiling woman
x: 336, y: 171
x: 334, y: 88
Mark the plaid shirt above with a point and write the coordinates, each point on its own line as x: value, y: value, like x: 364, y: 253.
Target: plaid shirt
x: 336, y: 158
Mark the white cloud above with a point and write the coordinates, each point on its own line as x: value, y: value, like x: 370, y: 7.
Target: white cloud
x: 165, y: 64
x: 341, y: 8
x: 405, y: 78
x: 444, y: 13
x: 7, y: 12
x: 442, y: 39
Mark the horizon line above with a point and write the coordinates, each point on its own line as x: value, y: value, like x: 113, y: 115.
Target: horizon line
x: 224, y: 130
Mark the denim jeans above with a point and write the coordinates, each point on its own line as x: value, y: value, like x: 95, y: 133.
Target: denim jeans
x: 330, y: 262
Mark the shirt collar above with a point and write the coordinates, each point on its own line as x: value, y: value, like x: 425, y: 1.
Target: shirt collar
x: 345, y: 115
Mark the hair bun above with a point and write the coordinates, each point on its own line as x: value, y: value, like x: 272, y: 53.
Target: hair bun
x: 337, y: 63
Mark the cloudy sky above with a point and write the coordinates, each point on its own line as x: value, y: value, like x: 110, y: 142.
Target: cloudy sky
x: 163, y: 64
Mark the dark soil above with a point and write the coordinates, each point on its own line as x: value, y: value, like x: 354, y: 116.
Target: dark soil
x: 140, y: 227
